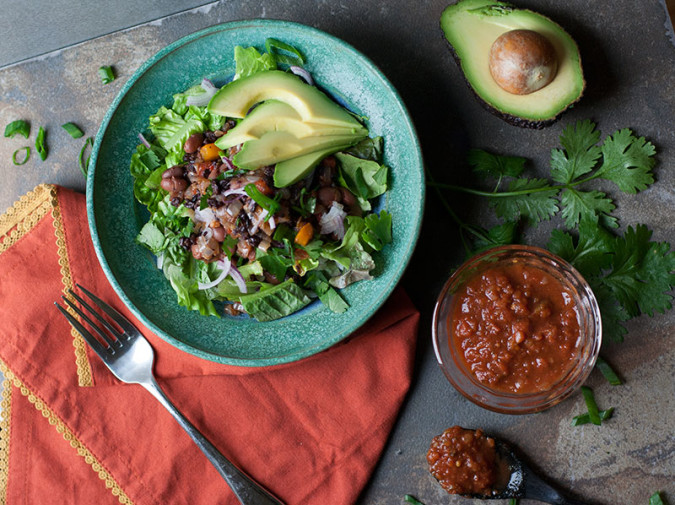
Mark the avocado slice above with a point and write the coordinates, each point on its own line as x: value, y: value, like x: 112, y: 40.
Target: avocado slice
x: 472, y: 26
x: 276, y: 146
x: 291, y: 171
x: 237, y: 97
x: 274, y: 115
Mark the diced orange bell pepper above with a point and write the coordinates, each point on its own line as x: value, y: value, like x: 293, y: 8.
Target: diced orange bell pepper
x: 304, y: 234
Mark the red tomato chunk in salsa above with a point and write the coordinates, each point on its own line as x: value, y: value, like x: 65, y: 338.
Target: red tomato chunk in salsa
x: 463, y: 461
x: 516, y: 327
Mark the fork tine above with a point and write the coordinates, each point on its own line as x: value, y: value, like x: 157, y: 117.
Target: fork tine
x: 129, y: 329
x: 105, y: 323
x: 91, y: 340
x: 98, y: 330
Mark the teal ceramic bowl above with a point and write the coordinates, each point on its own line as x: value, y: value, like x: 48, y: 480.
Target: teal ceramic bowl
x: 115, y: 218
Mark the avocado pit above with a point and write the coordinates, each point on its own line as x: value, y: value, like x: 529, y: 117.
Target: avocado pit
x: 522, y: 61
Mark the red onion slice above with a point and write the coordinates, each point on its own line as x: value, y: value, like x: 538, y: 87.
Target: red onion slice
x: 205, y: 215
x: 203, y: 99
x: 227, y: 162
x: 143, y: 139
x: 301, y: 72
x: 239, y: 191
x: 225, y: 265
x: 333, y: 221
x: 238, y: 279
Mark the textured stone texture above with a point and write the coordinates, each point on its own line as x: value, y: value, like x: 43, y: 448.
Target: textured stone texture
x: 630, y: 70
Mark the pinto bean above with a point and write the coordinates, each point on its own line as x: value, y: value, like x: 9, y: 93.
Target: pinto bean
x: 175, y: 171
x: 329, y: 195
x: 193, y: 143
x: 219, y: 233
x: 174, y: 184
x: 348, y: 198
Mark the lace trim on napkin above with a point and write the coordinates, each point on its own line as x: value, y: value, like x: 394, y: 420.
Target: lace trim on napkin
x: 60, y: 426
x: 16, y: 222
x: 5, y: 409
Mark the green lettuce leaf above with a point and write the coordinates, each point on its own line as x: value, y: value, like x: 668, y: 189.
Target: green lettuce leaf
x: 276, y: 302
x: 365, y: 178
x: 171, y: 130
x: 249, y: 61
x: 180, y: 99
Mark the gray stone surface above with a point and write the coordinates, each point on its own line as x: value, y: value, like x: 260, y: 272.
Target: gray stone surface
x: 630, y: 70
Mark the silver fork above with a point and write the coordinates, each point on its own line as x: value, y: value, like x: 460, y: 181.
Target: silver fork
x: 129, y: 356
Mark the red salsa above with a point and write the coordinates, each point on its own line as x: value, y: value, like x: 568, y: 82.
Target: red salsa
x: 516, y: 327
x: 464, y: 461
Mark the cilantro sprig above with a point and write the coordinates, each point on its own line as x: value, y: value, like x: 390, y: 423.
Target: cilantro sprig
x: 629, y: 273
x: 622, y: 158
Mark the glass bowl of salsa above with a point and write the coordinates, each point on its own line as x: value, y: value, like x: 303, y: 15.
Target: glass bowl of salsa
x: 516, y: 329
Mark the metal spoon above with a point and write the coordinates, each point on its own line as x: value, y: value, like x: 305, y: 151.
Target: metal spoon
x: 520, y: 481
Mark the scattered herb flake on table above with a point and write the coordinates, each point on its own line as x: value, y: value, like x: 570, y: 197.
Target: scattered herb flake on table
x: 106, y: 74
x: 72, y: 130
x: 19, y: 126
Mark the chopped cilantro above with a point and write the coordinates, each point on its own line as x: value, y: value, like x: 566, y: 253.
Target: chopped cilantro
x: 72, y: 130
x: 19, y: 126
x: 106, y: 74
x: 40, y: 145
x: 607, y: 371
x: 25, y: 159
x: 411, y: 499
x: 656, y: 499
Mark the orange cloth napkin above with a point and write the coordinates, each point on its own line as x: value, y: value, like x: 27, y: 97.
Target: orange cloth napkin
x: 310, y: 431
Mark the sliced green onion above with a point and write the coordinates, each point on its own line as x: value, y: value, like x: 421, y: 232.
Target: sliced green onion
x: 297, y: 59
x: 607, y: 371
x: 19, y: 126
x: 656, y: 499
x: 586, y: 418
x: 106, y: 74
x: 40, y: 145
x: 73, y: 130
x: 267, y: 203
x: 592, y: 407
x: 27, y: 149
x: 84, y: 165
x: 411, y: 499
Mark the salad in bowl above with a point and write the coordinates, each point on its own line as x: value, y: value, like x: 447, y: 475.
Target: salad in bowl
x: 263, y: 193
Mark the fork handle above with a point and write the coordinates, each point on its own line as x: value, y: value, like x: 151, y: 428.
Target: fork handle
x: 246, y: 489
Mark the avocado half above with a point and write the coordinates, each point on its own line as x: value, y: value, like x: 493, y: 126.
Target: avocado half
x: 472, y: 26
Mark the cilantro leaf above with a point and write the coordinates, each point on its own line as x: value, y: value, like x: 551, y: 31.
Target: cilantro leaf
x: 592, y: 252
x: 536, y: 206
x: 627, y: 161
x: 642, y: 272
x: 501, y: 234
x: 580, y: 155
x: 378, y: 230
x: 577, y: 204
x: 485, y: 163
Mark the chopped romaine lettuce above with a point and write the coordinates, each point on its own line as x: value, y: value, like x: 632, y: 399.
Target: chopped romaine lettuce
x: 249, y: 61
x: 276, y: 302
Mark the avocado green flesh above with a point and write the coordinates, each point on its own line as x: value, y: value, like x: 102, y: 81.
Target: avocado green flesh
x: 274, y: 115
x: 276, y: 146
x: 472, y: 26
x: 291, y: 171
x: 237, y: 97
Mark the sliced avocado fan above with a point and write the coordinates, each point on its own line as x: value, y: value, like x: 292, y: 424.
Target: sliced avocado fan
x: 472, y: 26
x: 294, y: 127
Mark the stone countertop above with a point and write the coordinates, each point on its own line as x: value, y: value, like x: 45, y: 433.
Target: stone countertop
x: 629, y: 59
